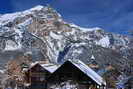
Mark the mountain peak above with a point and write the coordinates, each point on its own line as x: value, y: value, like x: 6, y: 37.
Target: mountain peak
x: 10, y: 17
x: 38, y: 7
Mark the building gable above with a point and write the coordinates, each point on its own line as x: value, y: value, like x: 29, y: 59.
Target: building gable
x: 73, y: 66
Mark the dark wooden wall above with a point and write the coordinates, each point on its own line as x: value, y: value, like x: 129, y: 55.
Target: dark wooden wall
x: 68, y: 71
x: 37, y: 77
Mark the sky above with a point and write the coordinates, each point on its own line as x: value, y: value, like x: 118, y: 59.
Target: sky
x: 110, y: 15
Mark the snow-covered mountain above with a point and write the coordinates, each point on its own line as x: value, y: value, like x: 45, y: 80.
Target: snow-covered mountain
x: 42, y: 32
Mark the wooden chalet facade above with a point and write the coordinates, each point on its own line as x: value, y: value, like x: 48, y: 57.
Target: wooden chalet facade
x: 36, y: 76
x: 75, y: 75
x: 69, y: 75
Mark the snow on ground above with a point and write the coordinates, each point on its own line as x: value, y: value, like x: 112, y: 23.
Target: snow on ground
x: 2, y: 71
x: 39, y: 7
x: 8, y: 17
x: 53, y: 35
x: 84, y: 29
x: 4, y: 19
x: 104, y: 42
x: 36, y: 8
x: 10, y: 45
x: 9, y: 48
x: 92, y: 57
x: 26, y: 22
x: 19, y: 33
x: 79, y: 44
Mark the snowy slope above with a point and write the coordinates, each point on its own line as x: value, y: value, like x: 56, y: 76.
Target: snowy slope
x: 104, y: 42
x: 12, y: 16
x: 43, y: 31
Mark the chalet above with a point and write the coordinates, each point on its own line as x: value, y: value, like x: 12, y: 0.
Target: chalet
x: 70, y: 75
x: 37, y: 74
x: 75, y: 75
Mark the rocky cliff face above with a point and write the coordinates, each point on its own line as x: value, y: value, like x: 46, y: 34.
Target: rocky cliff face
x: 42, y: 32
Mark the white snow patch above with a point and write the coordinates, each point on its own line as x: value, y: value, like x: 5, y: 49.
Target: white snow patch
x: 79, y: 44
x: 55, y: 36
x: 38, y: 7
x: 77, y: 51
x: 8, y: 17
x: 10, y: 45
x: 30, y: 11
x: 4, y: 19
x: 26, y: 22
x: 2, y: 71
x: 19, y: 33
x: 85, y: 29
x: 92, y: 57
x: 33, y: 64
x: 104, y: 42
x: 50, y: 67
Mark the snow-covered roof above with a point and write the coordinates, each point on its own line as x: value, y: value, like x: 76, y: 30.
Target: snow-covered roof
x: 88, y: 71
x: 49, y: 67
x: 33, y: 64
x: 80, y: 65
